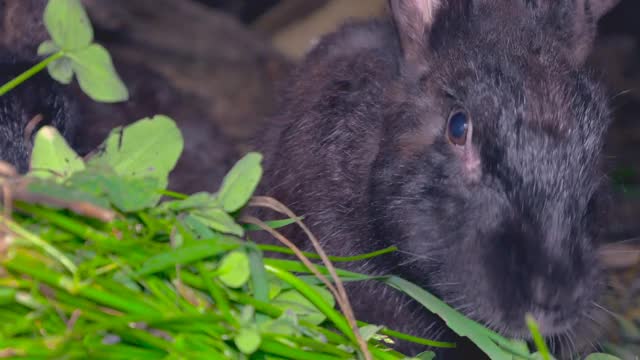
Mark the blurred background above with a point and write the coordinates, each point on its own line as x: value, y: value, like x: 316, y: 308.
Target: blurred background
x: 214, y: 66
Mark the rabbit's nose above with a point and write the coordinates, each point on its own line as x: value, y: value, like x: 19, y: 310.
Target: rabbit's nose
x: 545, y: 295
x: 554, y: 291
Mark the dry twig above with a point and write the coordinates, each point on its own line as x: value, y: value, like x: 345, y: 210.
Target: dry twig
x: 339, y: 291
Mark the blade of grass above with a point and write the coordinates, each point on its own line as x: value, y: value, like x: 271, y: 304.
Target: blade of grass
x: 284, y: 250
x: 71, y: 225
x: 297, y: 267
x: 22, y: 265
x: 414, y: 339
x: 215, y: 291
x: 274, y: 224
x: 38, y: 242
x: 537, y: 337
x: 187, y: 254
x: 457, y: 322
x: 259, y: 282
x: 276, y: 348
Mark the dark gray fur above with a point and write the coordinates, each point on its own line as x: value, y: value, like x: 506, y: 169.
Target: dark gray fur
x: 359, y: 148
x: 40, y: 95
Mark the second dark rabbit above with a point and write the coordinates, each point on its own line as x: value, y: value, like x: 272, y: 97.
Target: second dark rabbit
x: 468, y: 134
x: 38, y: 102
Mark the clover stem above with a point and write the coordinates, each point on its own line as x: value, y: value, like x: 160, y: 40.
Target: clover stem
x: 29, y: 73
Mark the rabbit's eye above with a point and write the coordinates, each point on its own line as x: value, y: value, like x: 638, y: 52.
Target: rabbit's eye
x: 458, y: 128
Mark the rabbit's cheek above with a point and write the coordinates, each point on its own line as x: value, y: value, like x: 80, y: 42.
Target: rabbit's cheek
x: 472, y: 163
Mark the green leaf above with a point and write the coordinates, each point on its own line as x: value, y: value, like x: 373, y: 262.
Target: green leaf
x: 187, y: 254
x: 285, y: 325
x: 202, y: 200
x: 130, y: 195
x: 520, y: 346
x: 61, y: 70
x: 68, y: 24
x: 96, y: 74
x: 58, y: 191
x: 259, y: 278
x: 200, y: 230
x: 234, y: 269
x: 195, y: 201
x: 369, y: 331
x: 600, y: 356
x: 47, y: 48
x: 89, y: 181
x: 218, y: 220
x: 427, y: 355
x: 247, y: 340
x: 146, y: 148
x: 240, y: 183
x: 52, y: 155
x: 125, y: 193
x: 303, y: 308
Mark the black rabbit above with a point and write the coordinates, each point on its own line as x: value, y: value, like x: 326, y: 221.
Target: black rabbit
x: 37, y: 102
x: 468, y: 133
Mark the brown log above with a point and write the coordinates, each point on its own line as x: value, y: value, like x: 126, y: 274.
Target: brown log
x: 295, y: 39
x: 284, y: 13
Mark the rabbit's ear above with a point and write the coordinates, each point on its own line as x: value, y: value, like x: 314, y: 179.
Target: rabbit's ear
x: 577, y: 21
x: 414, y: 20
